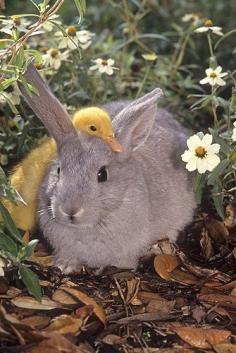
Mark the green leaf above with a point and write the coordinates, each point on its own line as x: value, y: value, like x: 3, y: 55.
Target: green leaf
x: 8, y: 245
x: 20, y: 58
x: 6, y: 83
x: 27, y: 250
x: 218, y: 202
x: 81, y: 6
x: 217, y: 172
x: 198, y: 185
x: 224, y: 146
x: 12, y: 106
x: 31, y: 281
x: 10, y: 225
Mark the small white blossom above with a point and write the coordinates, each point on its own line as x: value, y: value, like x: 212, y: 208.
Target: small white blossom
x: 13, y: 96
x: 104, y: 66
x: 202, y: 154
x: 54, y: 58
x: 2, y: 265
x: 19, y: 23
x: 208, y: 26
x: 190, y: 17
x: 214, y: 77
x: 234, y: 132
x: 49, y: 26
x: 74, y: 39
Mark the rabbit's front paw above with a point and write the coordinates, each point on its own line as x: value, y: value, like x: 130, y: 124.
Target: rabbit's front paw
x: 66, y: 266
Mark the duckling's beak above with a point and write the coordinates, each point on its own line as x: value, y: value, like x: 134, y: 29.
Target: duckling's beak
x: 113, y: 143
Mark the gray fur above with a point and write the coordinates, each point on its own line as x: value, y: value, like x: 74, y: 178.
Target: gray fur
x: 148, y: 195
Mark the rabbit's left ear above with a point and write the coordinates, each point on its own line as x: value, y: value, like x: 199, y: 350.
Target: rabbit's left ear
x: 133, y: 124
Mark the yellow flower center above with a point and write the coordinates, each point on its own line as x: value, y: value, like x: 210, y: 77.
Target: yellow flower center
x: 200, y: 152
x: 213, y: 75
x: 208, y: 23
x: 16, y: 20
x: 104, y: 62
x: 54, y: 53
x: 71, y: 31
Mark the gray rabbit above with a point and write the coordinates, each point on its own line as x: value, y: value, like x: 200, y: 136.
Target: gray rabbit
x: 105, y: 208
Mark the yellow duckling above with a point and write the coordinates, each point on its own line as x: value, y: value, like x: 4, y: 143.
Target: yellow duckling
x: 28, y: 174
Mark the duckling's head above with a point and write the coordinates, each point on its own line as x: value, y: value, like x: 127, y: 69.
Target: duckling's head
x: 96, y: 122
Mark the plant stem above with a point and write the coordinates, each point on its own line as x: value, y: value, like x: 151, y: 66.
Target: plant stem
x: 210, y: 45
x: 144, y: 81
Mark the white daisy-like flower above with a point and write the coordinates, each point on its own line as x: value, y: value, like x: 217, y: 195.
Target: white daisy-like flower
x: 214, y: 77
x: 54, y: 58
x: 2, y: 265
x: 49, y: 26
x: 13, y: 96
x: 74, y: 39
x: 104, y: 66
x: 202, y: 154
x: 234, y: 132
x: 19, y: 23
x: 208, y: 26
x: 190, y: 17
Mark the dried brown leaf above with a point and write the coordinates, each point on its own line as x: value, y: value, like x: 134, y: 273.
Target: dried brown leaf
x: 36, y: 321
x: 198, y: 313
x: 184, y: 277
x: 230, y: 215
x: 132, y: 289
x: 44, y: 261
x: 216, y: 230
x: 164, y: 264
x: 217, y: 298
x: 31, y: 303
x: 85, y: 299
x: 160, y: 306
x: 207, y: 250
x: 225, y: 348
x: 146, y: 297
x: 64, y: 324
x: 202, y: 338
x: 55, y: 343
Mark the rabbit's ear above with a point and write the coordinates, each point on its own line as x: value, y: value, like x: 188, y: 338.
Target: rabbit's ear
x: 133, y: 124
x: 46, y: 106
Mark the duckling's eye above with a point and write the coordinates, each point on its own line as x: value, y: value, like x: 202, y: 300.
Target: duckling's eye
x: 103, y: 175
x: 93, y: 128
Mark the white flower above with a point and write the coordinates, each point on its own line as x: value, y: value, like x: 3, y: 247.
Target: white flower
x: 49, y: 26
x: 74, y: 39
x: 208, y: 26
x: 104, y: 66
x: 234, y: 132
x: 190, y: 17
x: 13, y: 96
x: 16, y: 22
x: 2, y: 265
x: 54, y: 58
x: 201, y: 154
x: 214, y: 77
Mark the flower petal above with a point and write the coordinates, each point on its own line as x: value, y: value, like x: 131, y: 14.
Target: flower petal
x: 201, y: 29
x: 212, y: 161
x: 192, y: 164
x: 187, y: 155
x: 193, y: 142
x: 206, y: 140
x: 218, y: 69
x: 213, y: 148
x: 204, y: 81
x: 209, y: 71
x: 110, y: 62
x: 201, y: 165
x: 220, y: 82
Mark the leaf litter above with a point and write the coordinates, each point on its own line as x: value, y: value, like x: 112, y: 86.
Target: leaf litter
x: 180, y: 300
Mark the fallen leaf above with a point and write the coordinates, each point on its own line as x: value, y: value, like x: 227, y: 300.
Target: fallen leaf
x: 216, y: 230
x: 31, y: 303
x: 44, y: 261
x: 225, y: 348
x: 184, y: 277
x: 65, y: 324
x: 132, y: 289
x: 55, y: 343
x: 160, y: 306
x: 164, y: 264
x: 36, y: 321
x: 230, y: 215
x: 76, y: 295
x: 198, y: 313
x: 202, y: 338
x: 217, y: 298
x: 146, y: 297
x: 206, y: 245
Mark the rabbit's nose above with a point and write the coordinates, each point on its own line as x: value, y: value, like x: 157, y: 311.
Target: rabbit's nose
x: 71, y: 213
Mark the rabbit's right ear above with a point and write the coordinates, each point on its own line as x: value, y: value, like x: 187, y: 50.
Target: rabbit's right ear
x: 133, y: 124
x: 46, y: 106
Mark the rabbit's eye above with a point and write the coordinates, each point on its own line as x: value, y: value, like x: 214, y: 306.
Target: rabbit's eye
x: 102, y: 175
x: 58, y: 171
x: 93, y: 128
